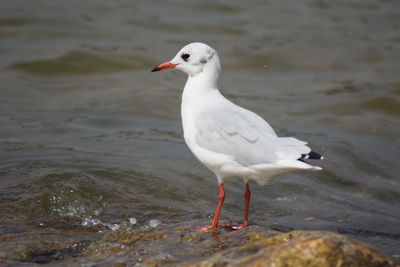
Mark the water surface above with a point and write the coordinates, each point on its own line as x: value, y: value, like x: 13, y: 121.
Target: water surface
x: 88, y: 133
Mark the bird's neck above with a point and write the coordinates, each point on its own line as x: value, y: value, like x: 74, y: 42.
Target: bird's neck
x: 200, y: 84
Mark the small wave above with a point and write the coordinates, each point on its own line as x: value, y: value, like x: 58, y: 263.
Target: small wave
x: 83, y: 63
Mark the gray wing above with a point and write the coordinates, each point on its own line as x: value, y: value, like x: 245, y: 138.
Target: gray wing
x: 245, y: 136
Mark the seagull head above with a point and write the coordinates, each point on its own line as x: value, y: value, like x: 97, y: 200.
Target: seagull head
x: 193, y: 59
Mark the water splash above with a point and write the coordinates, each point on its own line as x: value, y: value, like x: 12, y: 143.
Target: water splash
x: 93, y: 222
x: 89, y: 221
x: 153, y: 223
x: 132, y: 221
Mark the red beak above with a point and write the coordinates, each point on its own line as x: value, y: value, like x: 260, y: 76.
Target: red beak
x: 164, y: 66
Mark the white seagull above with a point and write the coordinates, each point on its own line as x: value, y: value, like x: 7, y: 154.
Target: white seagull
x: 231, y: 141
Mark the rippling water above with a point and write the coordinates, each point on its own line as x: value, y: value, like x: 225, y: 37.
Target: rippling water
x: 89, y: 135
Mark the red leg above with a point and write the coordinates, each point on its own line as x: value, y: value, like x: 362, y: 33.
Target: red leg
x: 246, y: 211
x: 214, y: 223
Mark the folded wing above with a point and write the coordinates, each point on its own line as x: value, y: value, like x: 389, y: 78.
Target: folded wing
x: 246, y: 137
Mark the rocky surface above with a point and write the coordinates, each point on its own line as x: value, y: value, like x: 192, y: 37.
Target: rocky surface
x: 299, y: 248
x: 178, y: 245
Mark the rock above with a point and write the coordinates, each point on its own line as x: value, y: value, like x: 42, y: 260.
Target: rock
x: 178, y: 245
x: 299, y: 248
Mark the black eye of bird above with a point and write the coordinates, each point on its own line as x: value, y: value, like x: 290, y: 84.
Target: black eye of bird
x: 185, y: 56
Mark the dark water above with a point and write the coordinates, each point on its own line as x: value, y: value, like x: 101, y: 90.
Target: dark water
x: 89, y: 136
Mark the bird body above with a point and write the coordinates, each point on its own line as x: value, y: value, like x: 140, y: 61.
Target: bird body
x: 236, y: 143
x: 231, y: 141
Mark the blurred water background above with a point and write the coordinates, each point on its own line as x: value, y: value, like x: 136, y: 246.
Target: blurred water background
x: 89, y: 136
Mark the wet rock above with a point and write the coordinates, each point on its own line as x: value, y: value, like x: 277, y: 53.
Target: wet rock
x: 128, y: 236
x: 178, y: 245
x: 299, y: 248
x: 42, y: 252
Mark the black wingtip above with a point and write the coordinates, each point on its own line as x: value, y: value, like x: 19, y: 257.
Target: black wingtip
x: 312, y: 155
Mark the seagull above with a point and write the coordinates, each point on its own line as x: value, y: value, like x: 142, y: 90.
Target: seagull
x: 229, y: 140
